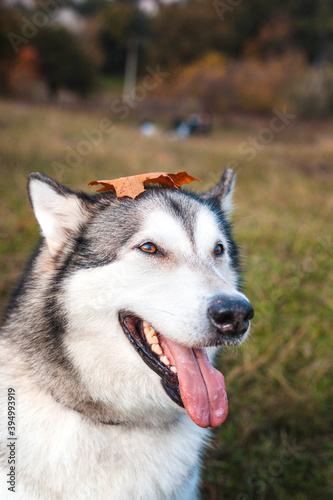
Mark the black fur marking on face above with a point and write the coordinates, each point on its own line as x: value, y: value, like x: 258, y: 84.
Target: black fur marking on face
x: 54, y: 326
x: 180, y: 207
x: 226, y: 228
x: 23, y: 285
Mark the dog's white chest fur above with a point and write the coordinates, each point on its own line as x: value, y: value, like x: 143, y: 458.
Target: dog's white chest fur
x: 100, y: 461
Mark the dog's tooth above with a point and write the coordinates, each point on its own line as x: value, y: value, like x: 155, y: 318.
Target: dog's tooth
x: 152, y: 338
x: 157, y: 349
x: 150, y: 334
x: 148, y: 329
x: 173, y: 369
x: 165, y: 360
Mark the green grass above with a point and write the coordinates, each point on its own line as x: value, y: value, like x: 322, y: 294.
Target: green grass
x: 277, y: 442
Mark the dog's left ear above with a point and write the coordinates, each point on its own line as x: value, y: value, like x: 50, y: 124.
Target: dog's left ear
x: 221, y: 194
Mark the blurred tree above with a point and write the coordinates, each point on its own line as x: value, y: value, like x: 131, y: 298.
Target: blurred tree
x: 183, y: 33
x: 120, y: 22
x: 10, y: 22
x: 276, y: 37
x: 90, y: 8
x: 63, y: 64
x: 24, y: 76
x: 179, y: 34
x: 304, y: 25
x: 314, y: 27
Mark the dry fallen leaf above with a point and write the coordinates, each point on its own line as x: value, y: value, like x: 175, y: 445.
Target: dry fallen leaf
x: 133, y: 185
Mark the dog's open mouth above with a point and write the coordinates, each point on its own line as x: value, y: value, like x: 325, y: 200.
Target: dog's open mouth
x: 187, y: 375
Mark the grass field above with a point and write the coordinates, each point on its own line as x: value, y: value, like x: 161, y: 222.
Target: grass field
x: 277, y: 442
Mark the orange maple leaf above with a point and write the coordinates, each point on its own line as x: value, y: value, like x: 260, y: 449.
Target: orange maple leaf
x: 133, y: 185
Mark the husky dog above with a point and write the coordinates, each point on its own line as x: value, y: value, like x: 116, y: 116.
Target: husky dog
x: 107, y: 347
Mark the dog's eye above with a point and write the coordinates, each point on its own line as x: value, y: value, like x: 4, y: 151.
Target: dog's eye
x: 148, y: 247
x: 219, y: 249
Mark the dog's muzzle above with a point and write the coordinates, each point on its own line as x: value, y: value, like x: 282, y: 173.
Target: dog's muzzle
x: 230, y: 315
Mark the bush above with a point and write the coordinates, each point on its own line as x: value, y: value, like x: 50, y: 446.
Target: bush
x: 219, y: 84
x: 313, y: 93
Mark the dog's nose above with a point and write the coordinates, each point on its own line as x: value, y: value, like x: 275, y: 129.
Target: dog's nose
x: 230, y: 315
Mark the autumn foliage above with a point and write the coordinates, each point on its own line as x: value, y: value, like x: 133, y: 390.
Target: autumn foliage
x: 133, y: 185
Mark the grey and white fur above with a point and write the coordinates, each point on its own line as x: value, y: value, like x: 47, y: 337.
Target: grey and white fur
x: 93, y: 419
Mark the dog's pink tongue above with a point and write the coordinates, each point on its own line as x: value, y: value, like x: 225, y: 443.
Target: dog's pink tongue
x: 202, y: 388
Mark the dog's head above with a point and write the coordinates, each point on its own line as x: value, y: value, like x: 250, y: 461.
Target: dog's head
x: 145, y: 286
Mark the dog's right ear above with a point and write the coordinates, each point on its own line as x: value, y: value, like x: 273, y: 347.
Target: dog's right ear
x: 58, y: 210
